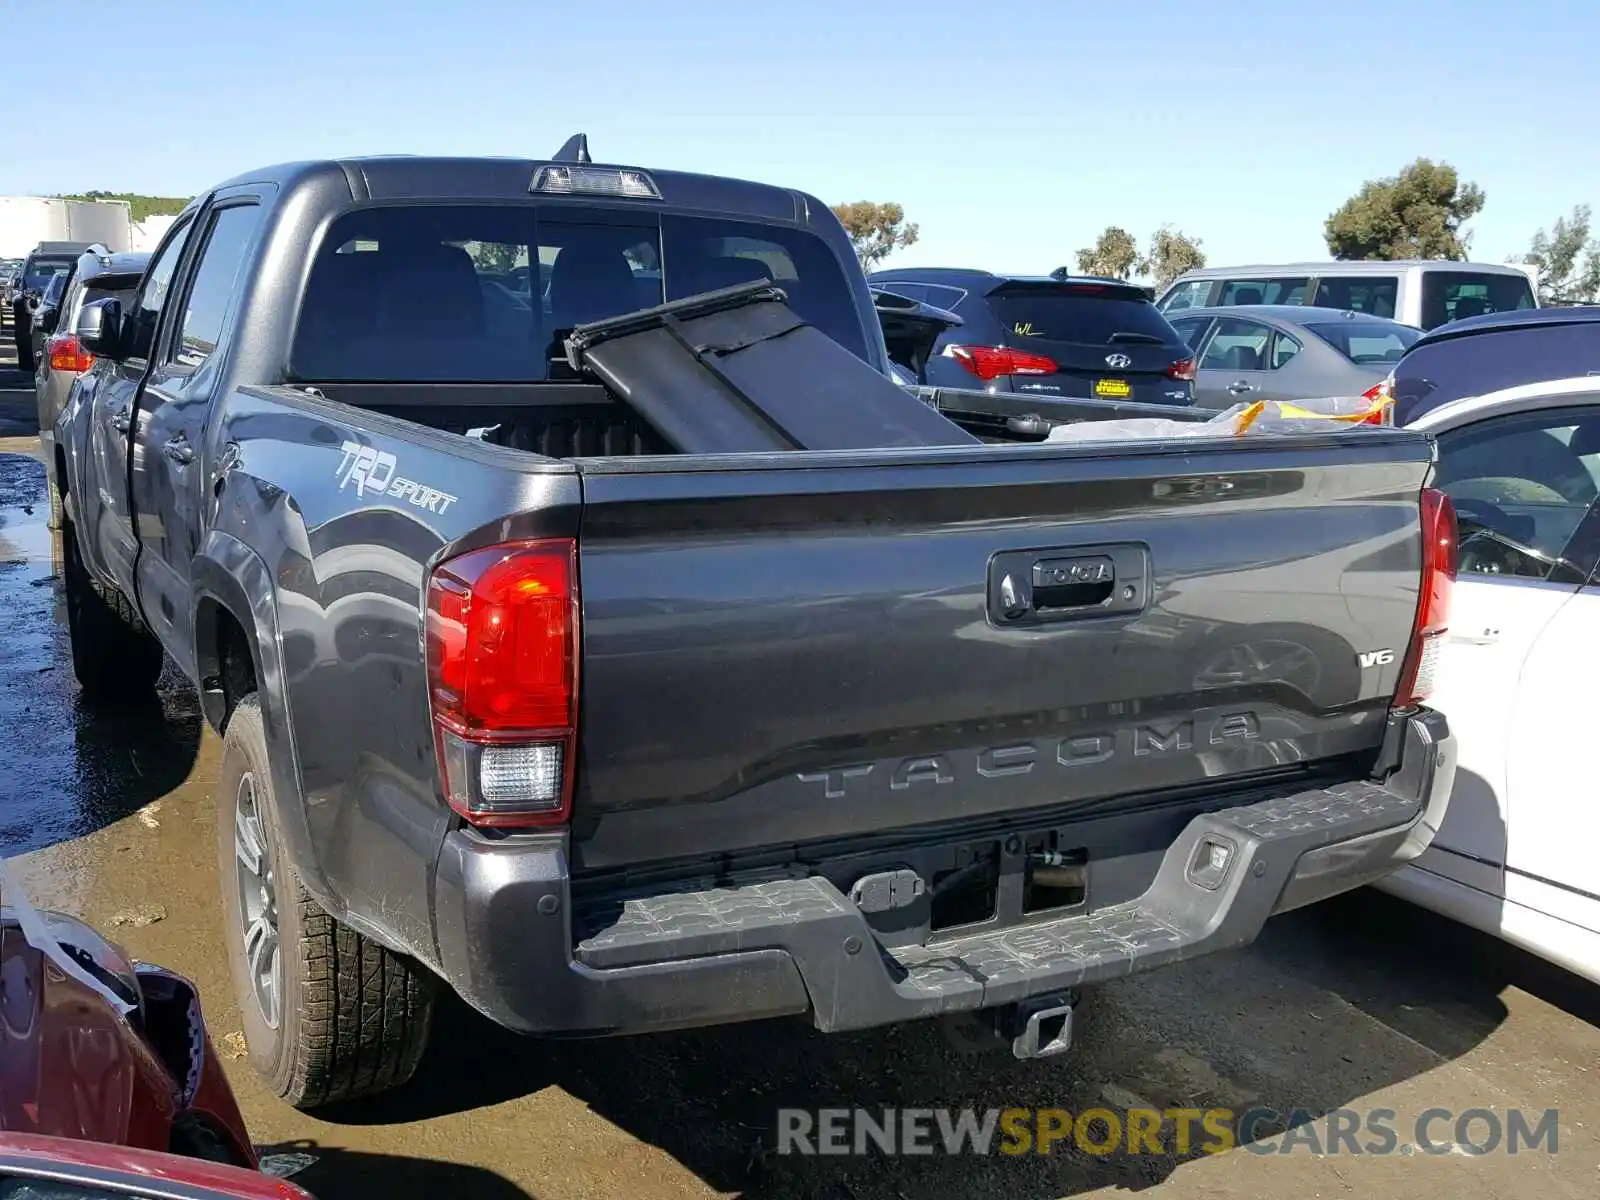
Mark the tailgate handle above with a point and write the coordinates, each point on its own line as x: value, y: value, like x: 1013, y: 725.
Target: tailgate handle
x: 1030, y: 587
x: 1073, y: 582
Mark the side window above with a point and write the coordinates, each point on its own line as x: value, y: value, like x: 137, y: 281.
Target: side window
x: 232, y: 229
x: 944, y: 297
x: 1192, y: 330
x: 1190, y: 294
x: 1237, y: 346
x: 1375, y: 294
x: 1284, y: 348
x: 146, y: 311
x: 1521, y: 484
x: 1263, y: 291
x: 911, y: 291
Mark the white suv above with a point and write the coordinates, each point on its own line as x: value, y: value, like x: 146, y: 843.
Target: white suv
x: 1425, y: 294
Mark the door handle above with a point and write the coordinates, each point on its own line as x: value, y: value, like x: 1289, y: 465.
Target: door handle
x: 179, y: 450
x: 120, y: 420
x: 1238, y: 386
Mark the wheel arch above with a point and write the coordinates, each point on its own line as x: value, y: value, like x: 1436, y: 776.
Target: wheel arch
x: 237, y: 650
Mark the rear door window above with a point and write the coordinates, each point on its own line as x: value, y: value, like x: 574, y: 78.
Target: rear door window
x: 1375, y: 294
x: 1284, y: 347
x: 1291, y: 290
x: 1237, y: 346
x: 1452, y: 295
x: 486, y: 293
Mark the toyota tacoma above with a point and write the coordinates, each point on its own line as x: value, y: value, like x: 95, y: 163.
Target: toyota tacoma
x: 593, y: 626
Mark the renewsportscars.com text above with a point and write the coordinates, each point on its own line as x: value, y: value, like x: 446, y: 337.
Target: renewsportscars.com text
x: 1165, y: 1132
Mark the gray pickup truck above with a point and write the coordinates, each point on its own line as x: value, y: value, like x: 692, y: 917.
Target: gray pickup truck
x: 571, y: 641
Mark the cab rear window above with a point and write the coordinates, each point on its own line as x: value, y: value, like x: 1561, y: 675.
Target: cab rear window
x: 470, y: 293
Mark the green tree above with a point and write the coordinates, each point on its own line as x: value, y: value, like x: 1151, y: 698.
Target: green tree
x: 1171, y: 254
x: 876, y: 230
x: 1557, y: 251
x: 1114, y: 254
x: 1418, y: 213
x: 139, y: 207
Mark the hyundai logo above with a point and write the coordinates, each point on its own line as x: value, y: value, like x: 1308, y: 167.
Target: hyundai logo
x: 1118, y: 362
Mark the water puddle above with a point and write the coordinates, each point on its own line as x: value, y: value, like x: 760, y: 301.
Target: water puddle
x: 69, y: 768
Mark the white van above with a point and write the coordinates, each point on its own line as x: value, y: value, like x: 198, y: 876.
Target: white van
x: 1423, y: 293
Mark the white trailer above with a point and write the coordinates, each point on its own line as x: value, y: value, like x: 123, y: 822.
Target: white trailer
x: 25, y: 221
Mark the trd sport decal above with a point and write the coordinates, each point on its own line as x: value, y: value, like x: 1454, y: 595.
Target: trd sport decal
x: 373, y: 474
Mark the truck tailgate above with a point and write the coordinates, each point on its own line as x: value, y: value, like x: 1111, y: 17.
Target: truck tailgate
x: 804, y: 648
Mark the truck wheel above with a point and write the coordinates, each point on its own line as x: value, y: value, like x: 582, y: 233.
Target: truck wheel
x: 329, y: 1015
x: 114, y: 655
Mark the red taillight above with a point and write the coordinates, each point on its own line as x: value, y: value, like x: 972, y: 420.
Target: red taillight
x: 67, y: 355
x: 1381, y: 396
x: 1182, y: 370
x: 1433, y: 605
x: 502, y: 648
x: 991, y: 362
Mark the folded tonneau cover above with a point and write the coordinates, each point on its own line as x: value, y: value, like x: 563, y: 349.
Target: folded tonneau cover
x: 737, y: 371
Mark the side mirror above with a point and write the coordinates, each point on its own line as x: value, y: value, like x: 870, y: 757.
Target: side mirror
x: 46, y: 318
x: 99, y: 329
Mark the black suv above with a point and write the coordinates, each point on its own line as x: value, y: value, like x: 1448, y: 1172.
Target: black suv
x: 1089, y: 338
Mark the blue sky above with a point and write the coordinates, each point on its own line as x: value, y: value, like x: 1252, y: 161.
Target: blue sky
x: 1012, y: 132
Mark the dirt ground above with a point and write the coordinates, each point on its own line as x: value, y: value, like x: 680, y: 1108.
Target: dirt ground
x: 1360, y: 1003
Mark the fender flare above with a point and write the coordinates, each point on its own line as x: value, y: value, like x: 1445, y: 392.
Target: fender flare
x: 229, y: 576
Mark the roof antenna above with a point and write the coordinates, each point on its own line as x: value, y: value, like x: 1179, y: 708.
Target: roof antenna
x: 575, y: 149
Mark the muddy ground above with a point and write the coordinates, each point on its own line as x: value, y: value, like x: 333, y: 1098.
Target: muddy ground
x: 1360, y: 1003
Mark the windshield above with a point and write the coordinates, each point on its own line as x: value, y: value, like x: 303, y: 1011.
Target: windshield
x: 1453, y: 295
x: 1367, y: 343
x: 1076, y: 313
x: 486, y: 293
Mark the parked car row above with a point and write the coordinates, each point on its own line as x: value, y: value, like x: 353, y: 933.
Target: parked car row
x: 59, y: 357
x: 10, y: 269
x: 47, y: 261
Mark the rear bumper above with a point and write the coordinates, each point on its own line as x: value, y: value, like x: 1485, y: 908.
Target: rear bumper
x: 798, y: 945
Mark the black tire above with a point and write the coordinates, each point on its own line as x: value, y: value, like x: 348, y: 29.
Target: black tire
x: 351, y: 1017
x: 114, y: 655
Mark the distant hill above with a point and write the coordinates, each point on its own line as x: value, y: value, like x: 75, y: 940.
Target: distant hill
x: 139, y: 206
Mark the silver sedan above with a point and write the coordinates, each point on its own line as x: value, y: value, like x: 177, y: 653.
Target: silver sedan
x: 1288, y: 352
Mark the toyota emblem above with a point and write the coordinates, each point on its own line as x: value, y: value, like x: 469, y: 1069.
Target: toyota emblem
x: 1118, y: 362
